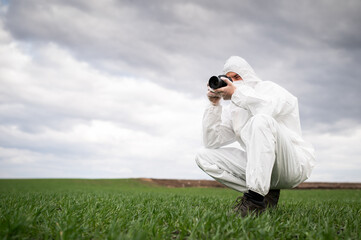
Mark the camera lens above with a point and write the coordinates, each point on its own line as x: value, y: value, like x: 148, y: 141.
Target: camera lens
x: 216, y: 81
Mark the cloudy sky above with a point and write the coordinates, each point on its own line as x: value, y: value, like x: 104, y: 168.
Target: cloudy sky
x: 116, y: 89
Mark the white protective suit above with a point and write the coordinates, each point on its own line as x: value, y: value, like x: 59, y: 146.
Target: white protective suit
x: 264, y: 119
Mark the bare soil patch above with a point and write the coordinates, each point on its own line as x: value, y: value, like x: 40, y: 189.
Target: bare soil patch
x: 181, y: 183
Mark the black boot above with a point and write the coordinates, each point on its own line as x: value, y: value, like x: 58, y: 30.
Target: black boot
x: 249, y: 204
x: 271, y: 199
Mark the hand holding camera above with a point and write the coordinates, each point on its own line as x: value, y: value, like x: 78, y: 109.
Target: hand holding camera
x: 213, y: 97
x: 220, y: 86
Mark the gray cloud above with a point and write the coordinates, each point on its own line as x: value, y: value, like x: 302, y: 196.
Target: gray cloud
x: 311, y: 48
x: 180, y: 44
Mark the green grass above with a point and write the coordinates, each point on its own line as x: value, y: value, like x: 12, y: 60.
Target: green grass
x: 130, y: 209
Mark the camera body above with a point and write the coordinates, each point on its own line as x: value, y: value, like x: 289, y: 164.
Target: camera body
x: 216, y: 82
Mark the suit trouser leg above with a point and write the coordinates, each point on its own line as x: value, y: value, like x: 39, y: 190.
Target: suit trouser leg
x: 226, y: 165
x: 272, y: 158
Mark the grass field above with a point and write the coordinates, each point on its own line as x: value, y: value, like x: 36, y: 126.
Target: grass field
x: 130, y: 209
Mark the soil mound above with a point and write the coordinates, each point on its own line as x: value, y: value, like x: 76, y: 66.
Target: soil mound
x: 179, y: 183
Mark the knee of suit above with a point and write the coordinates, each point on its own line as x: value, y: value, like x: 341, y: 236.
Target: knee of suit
x: 201, y: 156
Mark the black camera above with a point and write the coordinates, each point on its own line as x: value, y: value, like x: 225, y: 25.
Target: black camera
x: 216, y: 82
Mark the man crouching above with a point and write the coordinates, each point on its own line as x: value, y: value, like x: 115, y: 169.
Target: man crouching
x: 264, y: 119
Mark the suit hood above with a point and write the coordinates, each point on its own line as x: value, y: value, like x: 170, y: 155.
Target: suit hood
x: 242, y: 68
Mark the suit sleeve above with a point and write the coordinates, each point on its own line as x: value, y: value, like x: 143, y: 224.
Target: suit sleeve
x: 270, y: 100
x: 215, y: 132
